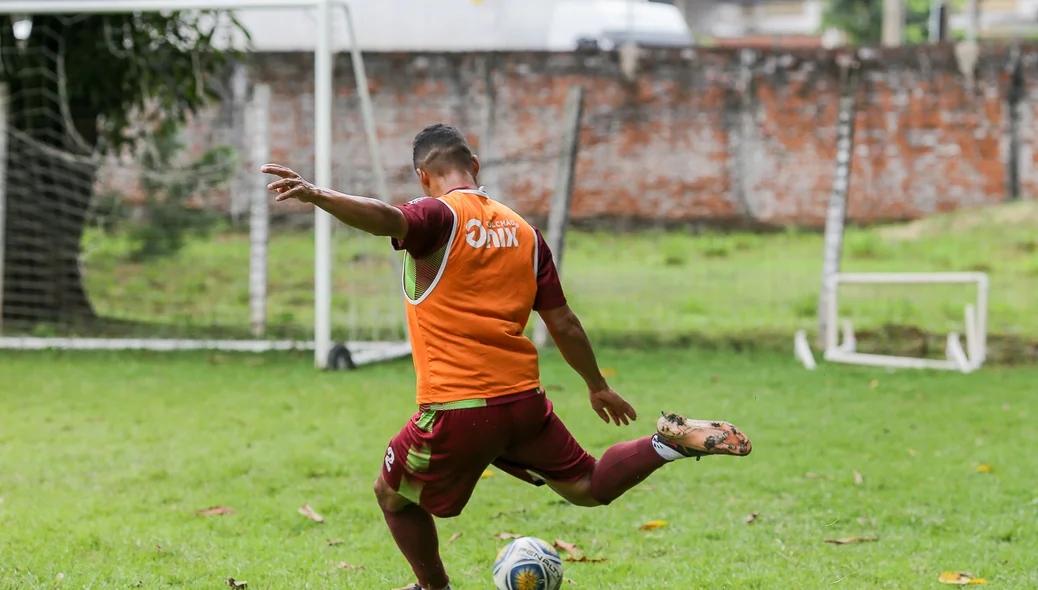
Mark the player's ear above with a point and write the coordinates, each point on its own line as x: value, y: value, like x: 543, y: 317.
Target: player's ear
x: 475, y: 165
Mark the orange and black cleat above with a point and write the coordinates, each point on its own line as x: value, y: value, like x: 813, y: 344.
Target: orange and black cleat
x: 698, y: 438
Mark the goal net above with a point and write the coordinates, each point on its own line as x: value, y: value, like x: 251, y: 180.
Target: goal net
x: 132, y: 212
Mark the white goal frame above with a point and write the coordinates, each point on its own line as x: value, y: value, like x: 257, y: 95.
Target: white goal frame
x: 958, y: 359
x: 325, y: 354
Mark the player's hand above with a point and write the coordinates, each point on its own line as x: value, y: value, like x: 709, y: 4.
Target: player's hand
x: 291, y: 185
x: 611, y: 407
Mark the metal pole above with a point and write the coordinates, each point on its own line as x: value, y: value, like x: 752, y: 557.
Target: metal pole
x: 558, y: 218
x: 322, y: 177
x: 259, y: 221
x: 3, y: 192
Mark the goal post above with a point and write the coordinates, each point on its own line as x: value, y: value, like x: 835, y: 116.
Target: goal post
x: 975, y: 317
x: 326, y: 353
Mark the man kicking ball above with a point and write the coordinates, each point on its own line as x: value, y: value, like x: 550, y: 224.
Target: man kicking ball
x: 473, y: 272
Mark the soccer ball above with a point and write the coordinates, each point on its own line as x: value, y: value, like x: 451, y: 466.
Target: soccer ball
x: 528, y: 563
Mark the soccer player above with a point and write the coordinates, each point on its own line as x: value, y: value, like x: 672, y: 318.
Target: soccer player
x: 474, y: 270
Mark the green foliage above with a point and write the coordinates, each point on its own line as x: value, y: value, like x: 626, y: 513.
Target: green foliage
x: 114, y: 70
x: 169, y: 212
x: 862, y: 20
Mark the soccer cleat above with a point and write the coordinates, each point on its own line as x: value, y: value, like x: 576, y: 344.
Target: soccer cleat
x: 697, y: 438
x: 417, y: 587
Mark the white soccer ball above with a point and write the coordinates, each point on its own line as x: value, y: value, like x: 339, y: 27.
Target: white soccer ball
x: 528, y: 563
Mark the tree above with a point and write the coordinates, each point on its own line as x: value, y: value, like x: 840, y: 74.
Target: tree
x: 81, y: 87
x: 862, y: 20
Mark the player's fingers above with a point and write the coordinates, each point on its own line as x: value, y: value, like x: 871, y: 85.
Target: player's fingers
x: 623, y: 417
x: 629, y: 410
x: 284, y: 183
x: 291, y: 194
x: 278, y: 169
x: 602, y: 414
x: 612, y: 414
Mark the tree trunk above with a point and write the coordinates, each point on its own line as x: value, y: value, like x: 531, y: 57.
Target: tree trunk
x: 47, y: 202
x: 49, y: 185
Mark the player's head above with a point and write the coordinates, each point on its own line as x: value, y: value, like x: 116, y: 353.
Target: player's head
x: 441, y: 154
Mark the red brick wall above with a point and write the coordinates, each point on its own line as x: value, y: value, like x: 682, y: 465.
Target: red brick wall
x: 687, y: 139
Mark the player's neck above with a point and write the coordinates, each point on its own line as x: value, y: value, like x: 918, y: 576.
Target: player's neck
x: 442, y: 185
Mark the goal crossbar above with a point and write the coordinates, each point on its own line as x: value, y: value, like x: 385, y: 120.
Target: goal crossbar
x: 958, y: 358
x: 323, y: 101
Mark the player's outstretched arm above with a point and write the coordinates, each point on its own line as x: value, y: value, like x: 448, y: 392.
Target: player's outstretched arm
x: 572, y: 341
x: 366, y: 214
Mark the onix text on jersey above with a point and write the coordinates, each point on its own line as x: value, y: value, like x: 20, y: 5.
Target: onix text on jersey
x: 493, y: 234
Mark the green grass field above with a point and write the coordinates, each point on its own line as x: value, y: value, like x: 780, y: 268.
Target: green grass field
x: 104, y: 459
x: 645, y: 287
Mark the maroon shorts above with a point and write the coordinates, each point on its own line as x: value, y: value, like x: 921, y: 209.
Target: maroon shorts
x: 439, y: 456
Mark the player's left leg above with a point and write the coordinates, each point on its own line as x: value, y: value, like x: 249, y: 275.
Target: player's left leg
x: 415, y: 534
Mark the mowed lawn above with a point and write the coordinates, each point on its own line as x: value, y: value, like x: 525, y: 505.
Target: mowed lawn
x: 105, y: 458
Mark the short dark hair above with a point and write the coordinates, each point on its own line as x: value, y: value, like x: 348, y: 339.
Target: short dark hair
x: 441, y: 148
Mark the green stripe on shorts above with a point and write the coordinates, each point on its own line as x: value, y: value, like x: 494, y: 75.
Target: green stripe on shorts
x: 425, y: 421
x: 458, y: 405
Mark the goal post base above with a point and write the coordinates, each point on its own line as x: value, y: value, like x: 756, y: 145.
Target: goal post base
x: 957, y: 357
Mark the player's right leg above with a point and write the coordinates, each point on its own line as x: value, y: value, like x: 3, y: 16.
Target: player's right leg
x: 553, y: 457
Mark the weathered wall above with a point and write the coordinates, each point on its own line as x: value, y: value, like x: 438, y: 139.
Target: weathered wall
x: 695, y: 136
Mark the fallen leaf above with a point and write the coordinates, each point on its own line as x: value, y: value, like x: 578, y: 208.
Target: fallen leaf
x: 334, y: 542
x: 646, y: 488
x: 554, y: 388
x: 567, y: 547
x: 60, y: 577
x: 858, y: 479
x: 960, y: 578
x: 454, y: 538
x: 345, y: 566
x: 158, y: 548
x: 653, y: 524
x: 487, y: 473
x: 874, y: 384
x: 810, y: 475
x: 569, y: 581
x: 985, y: 468
x: 508, y: 512
x: 608, y: 372
x: 911, y: 452
x: 715, y: 378
x: 753, y: 517
x: 585, y: 559
x: 236, y: 584
x: 507, y: 536
x: 308, y: 512
x: 850, y: 540
x: 216, y: 511
x: 1005, y: 407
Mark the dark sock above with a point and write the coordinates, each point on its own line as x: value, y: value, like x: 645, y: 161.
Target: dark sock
x: 414, y: 531
x: 622, y: 467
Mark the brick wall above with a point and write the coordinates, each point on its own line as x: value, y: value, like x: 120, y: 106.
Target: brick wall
x: 696, y: 135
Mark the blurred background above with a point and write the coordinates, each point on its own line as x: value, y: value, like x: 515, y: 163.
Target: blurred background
x: 706, y: 160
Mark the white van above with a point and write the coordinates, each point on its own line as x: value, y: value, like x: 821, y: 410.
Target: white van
x: 607, y: 24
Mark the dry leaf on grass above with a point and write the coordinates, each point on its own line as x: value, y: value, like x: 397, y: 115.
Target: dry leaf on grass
x: 345, y: 566
x: 810, y: 475
x: 59, y: 577
x: 585, y: 559
x: 960, y: 578
x: 985, y: 468
x: 235, y: 583
x: 858, y: 479
x: 608, y: 372
x: 850, y: 540
x: 216, y: 511
x: 554, y: 388
x: 508, y: 512
x: 912, y: 452
x: 507, y: 536
x: 569, y: 548
x: 158, y: 548
x: 487, y: 473
x: 308, y: 512
x: 873, y: 384
x: 569, y: 581
x: 334, y: 542
x: 752, y: 518
x: 653, y: 524
x: 454, y: 538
